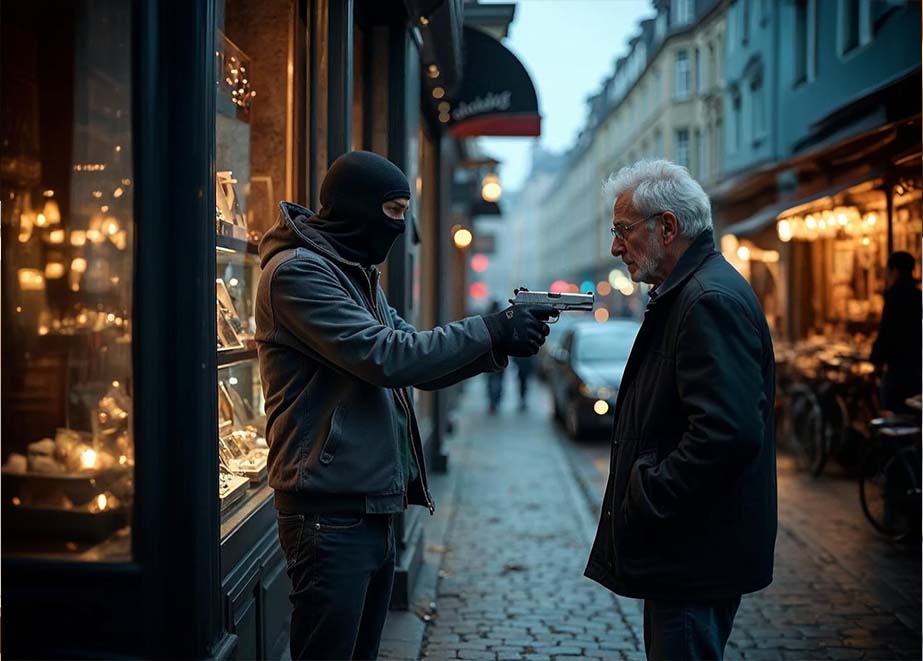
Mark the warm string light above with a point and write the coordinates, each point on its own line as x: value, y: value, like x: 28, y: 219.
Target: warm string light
x: 827, y: 224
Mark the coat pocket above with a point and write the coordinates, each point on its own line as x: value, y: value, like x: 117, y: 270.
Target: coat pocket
x: 328, y: 452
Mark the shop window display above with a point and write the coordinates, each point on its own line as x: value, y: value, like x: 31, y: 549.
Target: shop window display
x: 67, y: 237
x: 253, y: 137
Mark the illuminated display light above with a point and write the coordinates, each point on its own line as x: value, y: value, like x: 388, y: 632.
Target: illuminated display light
x: 31, y: 280
x: 627, y: 289
x: 603, y: 288
x: 586, y: 287
x: 478, y: 291
x: 462, y: 237
x: 558, y: 287
x: 54, y: 270
x: 479, y: 263
x: 601, y: 315
x: 491, y: 190
x: 601, y: 407
x: 617, y: 278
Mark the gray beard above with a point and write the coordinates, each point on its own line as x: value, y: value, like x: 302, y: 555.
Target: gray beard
x: 650, y: 265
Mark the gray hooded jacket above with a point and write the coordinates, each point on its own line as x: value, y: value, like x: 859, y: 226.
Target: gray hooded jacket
x: 336, y: 362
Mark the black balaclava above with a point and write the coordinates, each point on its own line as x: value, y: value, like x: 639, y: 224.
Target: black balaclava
x: 350, y: 218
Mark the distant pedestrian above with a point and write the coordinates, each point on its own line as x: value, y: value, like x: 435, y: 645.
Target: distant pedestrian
x: 524, y: 368
x: 495, y: 378
x: 897, y: 348
x: 337, y: 364
x: 688, y: 521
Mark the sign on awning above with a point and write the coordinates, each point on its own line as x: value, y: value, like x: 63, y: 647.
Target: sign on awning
x: 496, y: 96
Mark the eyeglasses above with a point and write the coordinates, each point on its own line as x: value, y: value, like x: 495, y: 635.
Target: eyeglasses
x: 619, y: 231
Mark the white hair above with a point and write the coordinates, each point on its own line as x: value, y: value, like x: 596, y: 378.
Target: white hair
x: 662, y: 185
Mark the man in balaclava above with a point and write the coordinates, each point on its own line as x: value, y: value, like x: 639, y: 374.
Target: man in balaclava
x: 337, y: 364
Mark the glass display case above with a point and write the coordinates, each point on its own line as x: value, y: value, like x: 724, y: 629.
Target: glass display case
x: 242, y: 449
x: 67, y: 268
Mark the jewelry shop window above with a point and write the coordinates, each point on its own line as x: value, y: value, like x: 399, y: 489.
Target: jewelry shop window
x: 67, y: 263
x: 254, y: 46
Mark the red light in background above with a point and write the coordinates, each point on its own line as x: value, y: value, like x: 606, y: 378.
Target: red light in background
x: 479, y: 263
x: 478, y: 291
x: 558, y: 286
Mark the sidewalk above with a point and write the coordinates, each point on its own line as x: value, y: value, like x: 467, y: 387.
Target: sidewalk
x: 511, y: 582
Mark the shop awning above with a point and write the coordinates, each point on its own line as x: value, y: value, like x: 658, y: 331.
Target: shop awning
x: 497, y: 96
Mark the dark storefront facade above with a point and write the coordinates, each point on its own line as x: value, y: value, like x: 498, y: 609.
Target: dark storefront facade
x: 145, y: 147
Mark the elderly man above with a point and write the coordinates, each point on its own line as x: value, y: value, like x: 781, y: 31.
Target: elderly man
x: 688, y: 521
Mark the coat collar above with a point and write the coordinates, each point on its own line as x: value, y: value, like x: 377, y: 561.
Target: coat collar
x: 701, y: 249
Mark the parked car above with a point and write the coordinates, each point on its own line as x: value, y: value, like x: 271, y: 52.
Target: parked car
x: 552, y: 346
x: 587, y: 373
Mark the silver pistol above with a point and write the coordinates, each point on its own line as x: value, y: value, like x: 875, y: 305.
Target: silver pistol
x: 561, y: 302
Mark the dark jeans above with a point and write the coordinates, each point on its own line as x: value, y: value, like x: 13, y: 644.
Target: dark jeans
x: 686, y: 631
x: 342, y: 570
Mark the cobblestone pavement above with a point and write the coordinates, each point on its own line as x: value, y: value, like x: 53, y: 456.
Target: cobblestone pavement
x: 512, y: 584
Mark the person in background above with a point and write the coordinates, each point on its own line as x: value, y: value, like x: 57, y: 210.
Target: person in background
x: 337, y: 364
x: 524, y: 368
x: 495, y: 378
x: 688, y: 520
x: 896, y: 350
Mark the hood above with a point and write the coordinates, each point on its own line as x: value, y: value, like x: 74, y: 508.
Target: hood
x: 293, y: 230
x: 607, y: 373
x: 351, y: 216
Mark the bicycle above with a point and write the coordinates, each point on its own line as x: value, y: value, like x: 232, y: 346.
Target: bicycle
x: 890, y: 481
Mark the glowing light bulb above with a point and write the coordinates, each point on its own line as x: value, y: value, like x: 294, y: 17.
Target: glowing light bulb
x: 88, y: 458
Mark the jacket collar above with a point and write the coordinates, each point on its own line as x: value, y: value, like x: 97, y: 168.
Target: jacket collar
x: 315, y: 240
x: 701, y: 249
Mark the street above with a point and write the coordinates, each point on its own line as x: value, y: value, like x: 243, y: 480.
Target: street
x: 511, y: 582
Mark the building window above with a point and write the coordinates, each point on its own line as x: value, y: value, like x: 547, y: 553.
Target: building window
x: 758, y: 116
x: 712, y: 66
x: 744, y: 21
x: 736, y: 122
x: 699, y: 160
x: 658, y: 88
x: 660, y: 27
x: 682, y: 12
x: 681, y: 153
x: 699, y: 66
x: 805, y: 40
x: 855, y: 26
x: 682, y: 74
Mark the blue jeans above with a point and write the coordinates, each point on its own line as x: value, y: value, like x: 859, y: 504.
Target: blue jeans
x: 342, y: 571
x: 688, y: 632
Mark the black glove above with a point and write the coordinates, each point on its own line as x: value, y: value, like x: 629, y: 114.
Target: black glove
x: 520, y: 329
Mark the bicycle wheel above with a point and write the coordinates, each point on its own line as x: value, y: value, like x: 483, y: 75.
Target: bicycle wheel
x: 883, y: 491
x: 807, y: 422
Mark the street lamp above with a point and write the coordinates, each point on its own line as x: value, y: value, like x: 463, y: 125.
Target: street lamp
x: 462, y: 238
x: 491, y: 190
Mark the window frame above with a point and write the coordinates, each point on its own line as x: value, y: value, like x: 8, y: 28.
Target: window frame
x: 681, y: 56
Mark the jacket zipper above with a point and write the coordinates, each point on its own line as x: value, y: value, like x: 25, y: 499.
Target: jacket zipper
x: 408, y: 410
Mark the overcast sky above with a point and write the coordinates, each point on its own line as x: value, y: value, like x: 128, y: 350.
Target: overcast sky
x: 568, y: 47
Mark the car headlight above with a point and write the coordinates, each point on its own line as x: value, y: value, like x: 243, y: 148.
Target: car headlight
x: 596, y: 391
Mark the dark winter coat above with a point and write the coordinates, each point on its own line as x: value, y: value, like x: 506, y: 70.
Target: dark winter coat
x: 336, y: 363
x: 689, y: 511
